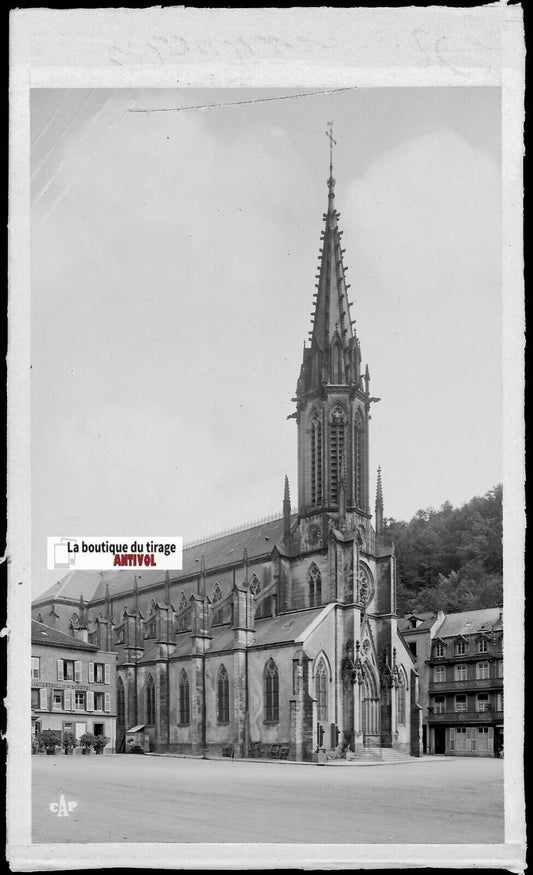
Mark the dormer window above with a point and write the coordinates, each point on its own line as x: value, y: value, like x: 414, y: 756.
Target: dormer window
x: 438, y: 649
x: 482, y: 645
x: 460, y: 647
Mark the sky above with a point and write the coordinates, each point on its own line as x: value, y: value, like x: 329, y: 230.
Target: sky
x: 173, y: 266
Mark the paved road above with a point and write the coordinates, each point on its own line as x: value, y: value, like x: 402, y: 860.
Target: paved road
x: 162, y: 799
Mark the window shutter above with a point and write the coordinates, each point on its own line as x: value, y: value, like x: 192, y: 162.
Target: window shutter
x: 91, y: 672
x: 60, y: 669
x: 70, y: 705
x: 107, y: 701
x: 77, y: 671
x: 106, y: 673
x: 452, y: 738
x: 67, y: 700
x: 43, y: 703
x: 90, y: 701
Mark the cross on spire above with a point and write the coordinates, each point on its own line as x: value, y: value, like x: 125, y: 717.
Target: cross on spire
x: 332, y: 141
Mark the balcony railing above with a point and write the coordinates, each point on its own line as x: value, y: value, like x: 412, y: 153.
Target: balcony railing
x: 466, y: 717
x: 473, y: 684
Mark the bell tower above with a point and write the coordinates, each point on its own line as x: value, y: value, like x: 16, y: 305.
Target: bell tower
x: 333, y: 394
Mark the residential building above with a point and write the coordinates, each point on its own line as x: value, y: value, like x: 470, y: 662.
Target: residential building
x: 462, y: 686
x: 73, y: 684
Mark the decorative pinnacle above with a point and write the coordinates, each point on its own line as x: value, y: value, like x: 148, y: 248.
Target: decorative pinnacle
x: 202, y: 566
x: 286, y: 493
x: 379, y: 490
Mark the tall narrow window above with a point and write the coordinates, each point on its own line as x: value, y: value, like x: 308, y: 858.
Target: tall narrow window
x: 184, y: 700
x: 315, y: 586
x: 336, y: 451
x: 271, y: 679
x: 222, y: 695
x: 460, y: 702
x: 150, y: 701
x: 460, y: 672
x: 358, y: 445
x: 401, y: 700
x: 121, y: 703
x: 439, y: 705
x: 482, y: 671
x: 321, y: 689
x: 316, y: 459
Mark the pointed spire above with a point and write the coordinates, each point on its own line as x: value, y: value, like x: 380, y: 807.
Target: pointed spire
x: 245, y: 563
x: 286, y: 513
x: 135, y: 595
x: 367, y: 380
x: 167, y: 587
x: 379, y: 505
x: 330, y: 357
x: 107, y: 611
x: 202, y: 575
x: 82, y: 610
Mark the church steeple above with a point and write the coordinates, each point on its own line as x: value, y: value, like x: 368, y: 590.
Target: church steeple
x: 334, y: 356
x: 332, y: 396
x: 378, y: 519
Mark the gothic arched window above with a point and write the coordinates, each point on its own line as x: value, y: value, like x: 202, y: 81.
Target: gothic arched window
x: 152, y: 606
x: 315, y: 586
x: 121, y: 702
x: 150, y: 701
x: 337, y: 429
x: 400, y: 693
x: 358, y: 444
x: 184, y: 700
x: 39, y: 618
x: 271, y: 690
x: 222, y: 695
x: 321, y: 690
x: 316, y: 458
x: 255, y: 586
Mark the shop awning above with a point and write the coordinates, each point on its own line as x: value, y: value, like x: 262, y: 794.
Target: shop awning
x: 136, y: 728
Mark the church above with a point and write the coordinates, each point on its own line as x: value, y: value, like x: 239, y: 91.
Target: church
x: 283, y: 636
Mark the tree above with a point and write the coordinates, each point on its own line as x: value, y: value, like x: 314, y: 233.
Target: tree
x: 450, y: 559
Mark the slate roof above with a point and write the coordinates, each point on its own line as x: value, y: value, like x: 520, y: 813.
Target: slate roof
x: 226, y: 550
x: 42, y: 634
x: 469, y: 622
x: 427, y: 617
x: 285, y: 629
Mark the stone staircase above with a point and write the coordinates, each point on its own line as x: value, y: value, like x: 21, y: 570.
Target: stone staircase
x: 381, y: 754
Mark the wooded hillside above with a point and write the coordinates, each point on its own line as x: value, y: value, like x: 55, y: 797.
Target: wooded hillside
x: 451, y: 558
